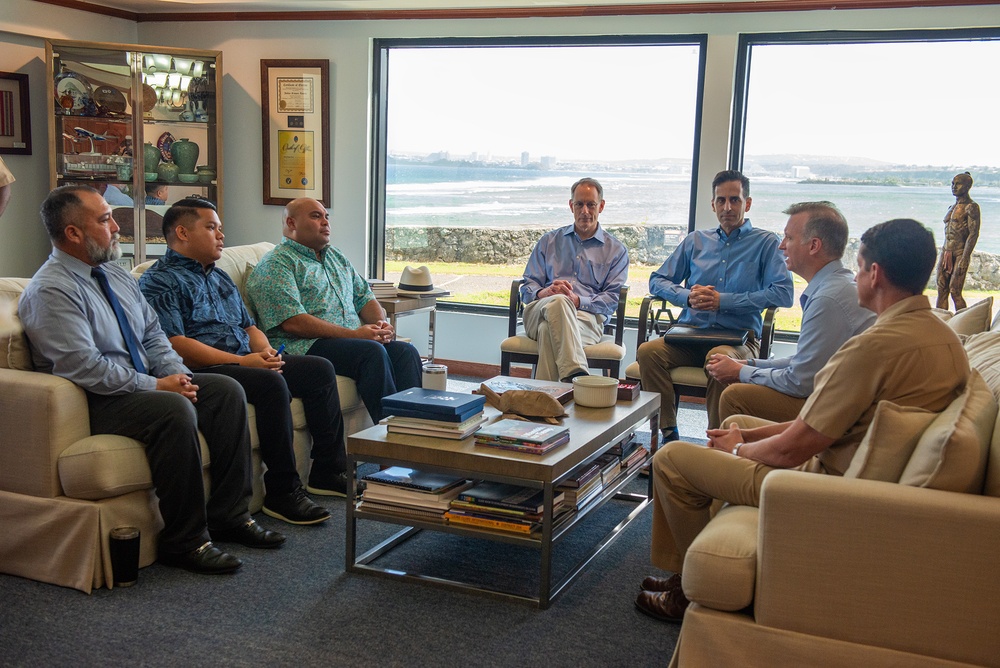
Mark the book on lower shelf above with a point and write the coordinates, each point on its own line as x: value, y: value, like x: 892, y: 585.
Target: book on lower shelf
x: 499, y: 523
x: 502, y: 495
x: 413, y: 479
x: 434, y: 500
x: 406, y: 512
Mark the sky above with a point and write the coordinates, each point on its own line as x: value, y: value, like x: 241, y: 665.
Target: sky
x: 918, y: 103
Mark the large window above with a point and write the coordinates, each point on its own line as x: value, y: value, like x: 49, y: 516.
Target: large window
x: 479, y: 142
x: 877, y: 123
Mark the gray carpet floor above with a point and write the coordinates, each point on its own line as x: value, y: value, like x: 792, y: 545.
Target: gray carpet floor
x: 298, y: 605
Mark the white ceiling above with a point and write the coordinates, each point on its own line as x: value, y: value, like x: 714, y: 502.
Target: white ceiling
x: 206, y: 6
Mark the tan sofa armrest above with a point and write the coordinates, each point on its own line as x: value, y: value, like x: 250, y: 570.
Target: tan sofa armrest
x: 881, y: 564
x: 40, y: 416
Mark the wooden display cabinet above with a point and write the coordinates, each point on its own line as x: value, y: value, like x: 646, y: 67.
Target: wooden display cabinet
x: 112, y: 104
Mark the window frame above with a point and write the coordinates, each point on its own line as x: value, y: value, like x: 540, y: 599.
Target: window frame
x: 741, y: 79
x: 379, y: 122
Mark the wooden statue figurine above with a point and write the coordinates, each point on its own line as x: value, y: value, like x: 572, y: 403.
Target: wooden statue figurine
x: 961, y: 232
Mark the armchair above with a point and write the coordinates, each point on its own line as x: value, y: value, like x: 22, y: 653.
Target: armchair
x: 607, y: 354
x: 690, y: 381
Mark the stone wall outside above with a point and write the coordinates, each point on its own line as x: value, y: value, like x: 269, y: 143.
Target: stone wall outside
x: 647, y: 245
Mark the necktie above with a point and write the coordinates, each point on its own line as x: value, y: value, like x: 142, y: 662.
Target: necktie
x: 116, y: 306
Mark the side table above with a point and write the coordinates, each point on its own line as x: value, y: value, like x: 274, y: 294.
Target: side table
x: 397, y: 307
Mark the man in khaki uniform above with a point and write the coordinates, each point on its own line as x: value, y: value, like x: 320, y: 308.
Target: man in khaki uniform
x: 909, y: 357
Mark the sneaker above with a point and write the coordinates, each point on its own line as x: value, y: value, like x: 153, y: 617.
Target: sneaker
x: 336, y: 484
x: 295, y: 508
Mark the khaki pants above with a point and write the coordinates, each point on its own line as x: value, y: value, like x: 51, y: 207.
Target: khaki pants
x: 656, y: 358
x: 691, y: 482
x: 561, y: 332
x: 758, y: 401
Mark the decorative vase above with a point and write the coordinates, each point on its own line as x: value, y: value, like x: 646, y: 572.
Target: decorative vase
x: 200, y: 114
x: 187, y: 115
x: 206, y: 173
x: 150, y: 157
x: 167, y: 171
x: 185, y: 155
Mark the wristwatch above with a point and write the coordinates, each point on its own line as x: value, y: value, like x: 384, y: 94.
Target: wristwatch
x: 736, y: 450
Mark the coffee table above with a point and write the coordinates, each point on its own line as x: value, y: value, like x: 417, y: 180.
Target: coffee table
x: 592, y: 432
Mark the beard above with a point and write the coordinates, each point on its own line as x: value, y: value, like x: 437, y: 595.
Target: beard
x: 98, y: 255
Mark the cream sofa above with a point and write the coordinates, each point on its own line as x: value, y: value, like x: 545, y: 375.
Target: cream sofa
x: 62, y: 490
x: 863, y: 570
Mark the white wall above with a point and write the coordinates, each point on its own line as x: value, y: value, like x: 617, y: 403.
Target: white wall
x: 347, y: 44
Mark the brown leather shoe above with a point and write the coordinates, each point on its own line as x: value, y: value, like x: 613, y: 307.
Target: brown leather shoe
x: 653, y: 583
x: 667, y: 606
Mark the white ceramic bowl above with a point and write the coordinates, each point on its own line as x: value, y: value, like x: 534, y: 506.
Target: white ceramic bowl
x: 595, y: 391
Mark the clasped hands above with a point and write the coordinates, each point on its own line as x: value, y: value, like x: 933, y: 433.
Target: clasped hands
x: 725, y: 439
x: 724, y: 369
x: 380, y: 331
x: 264, y: 359
x: 560, y: 287
x: 704, y: 298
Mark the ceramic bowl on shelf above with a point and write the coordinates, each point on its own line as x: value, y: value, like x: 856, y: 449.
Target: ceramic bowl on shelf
x: 188, y: 178
x: 595, y: 391
x: 150, y: 176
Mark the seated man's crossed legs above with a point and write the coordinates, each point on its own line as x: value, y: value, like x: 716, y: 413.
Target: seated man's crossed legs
x: 657, y: 358
x: 561, y: 332
x: 690, y: 484
x: 759, y: 401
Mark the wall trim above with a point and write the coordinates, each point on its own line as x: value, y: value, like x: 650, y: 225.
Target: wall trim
x: 575, y: 11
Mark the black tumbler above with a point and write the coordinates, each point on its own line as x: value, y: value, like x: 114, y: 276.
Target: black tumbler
x: 124, y: 547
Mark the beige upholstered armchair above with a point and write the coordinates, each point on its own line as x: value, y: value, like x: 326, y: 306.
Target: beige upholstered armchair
x: 655, y: 318
x: 607, y: 354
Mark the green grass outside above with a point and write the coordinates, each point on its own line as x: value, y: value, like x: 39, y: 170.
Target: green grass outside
x: 787, y: 319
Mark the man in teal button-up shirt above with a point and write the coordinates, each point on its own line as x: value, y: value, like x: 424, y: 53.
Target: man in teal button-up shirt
x: 308, y: 296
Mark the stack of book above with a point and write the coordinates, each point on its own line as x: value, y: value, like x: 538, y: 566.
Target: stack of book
x: 383, y: 289
x: 503, y: 507
x: 522, y: 436
x: 433, y: 413
x: 582, y: 486
x: 411, y: 493
x: 630, y: 453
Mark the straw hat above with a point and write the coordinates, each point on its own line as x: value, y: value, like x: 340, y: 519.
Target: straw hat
x: 417, y: 282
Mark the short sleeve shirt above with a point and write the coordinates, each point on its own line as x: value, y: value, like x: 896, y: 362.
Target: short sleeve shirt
x: 6, y: 176
x: 198, y: 303
x: 291, y: 280
x: 909, y: 357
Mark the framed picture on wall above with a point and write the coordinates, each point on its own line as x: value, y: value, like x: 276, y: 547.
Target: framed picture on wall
x: 295, y: 108
x: 15, y: 114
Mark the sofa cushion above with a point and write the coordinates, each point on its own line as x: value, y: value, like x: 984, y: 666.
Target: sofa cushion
x: 720, y: 568
x: 970, y: 320
x: 951, y: 453
x: 983, y: 350
x: 14, y: 353
x: 103, y: 466
x: 889, y: 442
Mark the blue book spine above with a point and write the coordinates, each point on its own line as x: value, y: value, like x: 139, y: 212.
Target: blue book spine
x: 434, y: 401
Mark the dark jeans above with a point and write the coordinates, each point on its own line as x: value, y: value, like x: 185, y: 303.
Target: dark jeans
x: 168, y: 425
x: 311, y: 379
x: 378, y: 370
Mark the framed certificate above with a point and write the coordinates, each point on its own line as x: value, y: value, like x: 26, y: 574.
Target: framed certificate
x: 295, y: 109
x: 15, y: 116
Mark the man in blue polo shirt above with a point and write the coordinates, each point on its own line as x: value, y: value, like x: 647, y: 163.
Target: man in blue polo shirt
x: 723, y: 278
x: 203, y: 315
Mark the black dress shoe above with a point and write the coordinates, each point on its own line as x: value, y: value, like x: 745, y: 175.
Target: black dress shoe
x: 332, y: 484
x: 250, y: 534
x: 206, y: 560
x: 295, y: 508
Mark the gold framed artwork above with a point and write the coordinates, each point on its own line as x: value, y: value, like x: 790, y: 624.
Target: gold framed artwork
x: 15, y: 114
x: 295, y: 110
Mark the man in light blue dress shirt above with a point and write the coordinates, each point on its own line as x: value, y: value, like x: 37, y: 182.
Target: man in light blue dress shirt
x: 776, y: 389
x: 723, y: 278
x: 571, y: 286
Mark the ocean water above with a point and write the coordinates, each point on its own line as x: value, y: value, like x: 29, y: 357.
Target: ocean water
x: 498, y: 197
